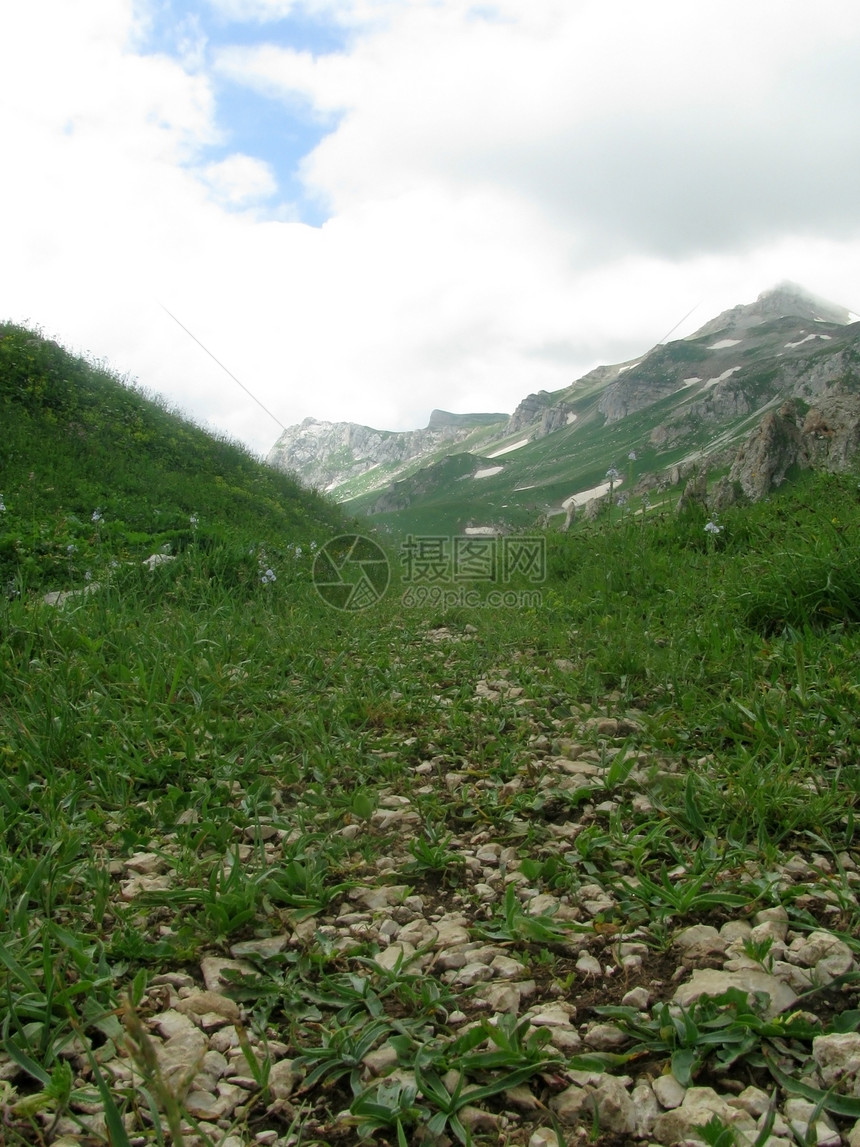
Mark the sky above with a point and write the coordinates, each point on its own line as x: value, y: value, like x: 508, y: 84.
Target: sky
x: 366, y: 209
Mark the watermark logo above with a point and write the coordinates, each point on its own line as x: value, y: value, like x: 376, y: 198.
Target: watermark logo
x: 351, y: 572
x: 476, y: 572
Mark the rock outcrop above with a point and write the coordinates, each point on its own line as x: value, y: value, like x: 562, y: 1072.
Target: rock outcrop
x: 827, y: 437
x: 539, y: 414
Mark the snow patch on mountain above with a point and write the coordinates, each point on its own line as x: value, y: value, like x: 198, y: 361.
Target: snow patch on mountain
x: 508, y: 449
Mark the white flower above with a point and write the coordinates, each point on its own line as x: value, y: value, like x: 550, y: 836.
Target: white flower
x: 96, y: 516
x: 632, y: 456
x: 268, y: 576
x: 88, y: 576
x: 70, y: 549
x: 712, y: 528
x: 194, y: 520
x: 2, y: 506
x: 612, y: 474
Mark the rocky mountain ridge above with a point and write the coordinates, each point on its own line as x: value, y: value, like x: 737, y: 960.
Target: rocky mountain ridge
x: 693, y: 401
x: 327, y: 454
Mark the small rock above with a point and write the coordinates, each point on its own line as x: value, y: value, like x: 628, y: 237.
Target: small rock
x: 615, y: 1110
x: 146, y: 863
x: 381, y: 1058
x: 476, y: 1120
x: 606, y: 1037
x: 283, y: 1077
x: 270, y: 946
x: 637, y: 998
x: 399, y: 953
x: 752, y: 1100
x: 569, y: 1104
x: 543, y: 1137
x: 213, y: 969
x: 472, y: 974
x: 130, y: 889
x: 171, y: 1023
x: 588, y: 965
x: 384, y: 896
x: 645, y: 1105
x: 700, y: 941
x: 501, y: 997
x: 700, y: 1104
x: 669, y: 1092
x: 554, y: 1015
x: 202, y: 1003
x: 838, y: 1060
x: 709, y: 982
x: 506, y: 968
x: 826, y: 953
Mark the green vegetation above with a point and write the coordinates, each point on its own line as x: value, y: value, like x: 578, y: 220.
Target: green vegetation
x: 198, y: 758
x: 93, y: 471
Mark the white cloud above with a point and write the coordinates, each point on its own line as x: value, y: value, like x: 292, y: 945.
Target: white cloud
x: 515, y: 192
x: 240, y: 179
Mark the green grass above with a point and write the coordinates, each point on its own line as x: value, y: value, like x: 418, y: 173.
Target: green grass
x: 254, y: 738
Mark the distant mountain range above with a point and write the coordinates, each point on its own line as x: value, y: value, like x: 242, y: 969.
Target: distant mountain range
x: 689, y: 404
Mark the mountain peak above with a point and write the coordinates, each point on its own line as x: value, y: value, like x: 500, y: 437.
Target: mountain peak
x: 785, y: 300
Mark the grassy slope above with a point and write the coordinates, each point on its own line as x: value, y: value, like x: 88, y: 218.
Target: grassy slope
x: 178, y: 713
x: 75, y: 440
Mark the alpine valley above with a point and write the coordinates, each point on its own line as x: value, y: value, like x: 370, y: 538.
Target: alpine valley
x: 760, y: 392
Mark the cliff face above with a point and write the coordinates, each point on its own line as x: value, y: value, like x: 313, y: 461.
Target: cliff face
x: 539, y: 414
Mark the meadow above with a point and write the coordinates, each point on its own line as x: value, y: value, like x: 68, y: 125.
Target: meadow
x: 233, y: 815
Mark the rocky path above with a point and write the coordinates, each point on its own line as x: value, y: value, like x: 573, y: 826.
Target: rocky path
x: 547, y: 959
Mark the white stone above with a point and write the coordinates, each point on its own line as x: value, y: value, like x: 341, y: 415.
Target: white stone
x: 400, y: 952
x: 283, y: 1078
x: 638, y: 998
x: 645, y: 1105
x: 615, y: 1109
x: 606, y: 1037
x: 543, y: 1137
x: 472, y: 974
x: 838, y: 1060
x: 709, y: 982
x: 670, y: 1093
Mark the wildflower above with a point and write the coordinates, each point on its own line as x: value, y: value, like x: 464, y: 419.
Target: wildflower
x: 612, y: 474
x: 2, y: 505
x: 194, y: 521
x: 96, y: 516
x: 88, y: 576
x: 621, y: 500
x: 268, y: 576
x: 71, y: 549
x: 632, y: 456
x: 712, y: 528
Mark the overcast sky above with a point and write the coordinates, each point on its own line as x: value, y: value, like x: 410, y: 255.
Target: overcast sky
x: 369, y: 208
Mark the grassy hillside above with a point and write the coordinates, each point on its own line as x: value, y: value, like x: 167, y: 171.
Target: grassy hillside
x: 93, y: 470
x: 438, y: 842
